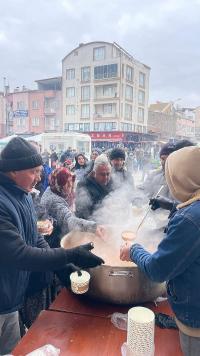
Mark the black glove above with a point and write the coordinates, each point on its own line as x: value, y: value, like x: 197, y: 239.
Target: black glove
x: 165, y: 321
x: 64, y: 274
x: 82, y: 257
x: 161, y: 202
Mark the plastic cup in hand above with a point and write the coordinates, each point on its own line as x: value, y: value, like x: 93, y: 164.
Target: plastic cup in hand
x: 140, y: 332
x: 80, y: 283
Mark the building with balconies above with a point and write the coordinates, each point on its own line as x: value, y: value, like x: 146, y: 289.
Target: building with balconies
x: 104, y: 89
x: 35, y: 111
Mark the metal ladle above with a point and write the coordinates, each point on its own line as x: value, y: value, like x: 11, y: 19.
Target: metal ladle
x: 148, y: 210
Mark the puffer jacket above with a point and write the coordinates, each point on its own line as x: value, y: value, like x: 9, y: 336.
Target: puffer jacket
x: 177, y: 261
x: 22, y: 249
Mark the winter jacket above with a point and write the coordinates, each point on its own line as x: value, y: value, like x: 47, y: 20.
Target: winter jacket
x: 58, y: 208
x: 121, y: 178
x: 89, y: 196
x: 177, y: 261
x: 153, y: 182
x: 19, y: 241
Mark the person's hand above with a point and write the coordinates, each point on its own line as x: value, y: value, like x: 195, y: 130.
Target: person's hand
x: 125, y: 251
x: 161, y: 202
x: 45, y: 227
x: 82, y: 256
x: 64, y: 274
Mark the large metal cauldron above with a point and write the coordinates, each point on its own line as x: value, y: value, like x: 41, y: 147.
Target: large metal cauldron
x: 115, y: 284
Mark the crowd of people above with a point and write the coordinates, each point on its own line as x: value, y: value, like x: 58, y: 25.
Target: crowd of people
x: 44, y: 197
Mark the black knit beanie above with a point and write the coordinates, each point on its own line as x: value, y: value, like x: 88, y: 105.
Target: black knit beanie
x: 117, y: 153
x: 167, y: 149
x: 18, y: 155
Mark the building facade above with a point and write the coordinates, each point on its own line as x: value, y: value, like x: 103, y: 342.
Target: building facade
x: 168, y: 122
x: 104, y: 89
x: 35, y: 111
x: 185, y: 123
x: 197, y: 123
x: 2, y: 115
x: 162, y: 120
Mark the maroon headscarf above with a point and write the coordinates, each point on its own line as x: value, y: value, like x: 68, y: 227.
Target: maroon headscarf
x: 57, y: 180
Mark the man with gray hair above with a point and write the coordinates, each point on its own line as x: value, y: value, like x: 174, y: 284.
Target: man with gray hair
x: 94, y: 188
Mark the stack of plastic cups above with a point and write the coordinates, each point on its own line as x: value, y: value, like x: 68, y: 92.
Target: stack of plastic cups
x: 140, y: 332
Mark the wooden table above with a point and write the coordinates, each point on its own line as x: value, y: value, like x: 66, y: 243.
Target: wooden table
x: 83, y: 327
x: 67, y: 301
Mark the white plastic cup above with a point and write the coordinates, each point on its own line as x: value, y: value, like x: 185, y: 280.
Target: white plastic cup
x: 80, y: 284
x: 140, y: 332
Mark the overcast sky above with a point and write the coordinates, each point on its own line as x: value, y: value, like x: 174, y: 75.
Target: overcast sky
x: 36, y: 35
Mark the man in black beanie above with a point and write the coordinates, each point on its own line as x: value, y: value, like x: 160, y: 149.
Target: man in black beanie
x: 120, y: 176
x: 22, y: 249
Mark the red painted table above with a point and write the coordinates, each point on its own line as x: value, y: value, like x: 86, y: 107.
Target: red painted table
x: 82, y: 327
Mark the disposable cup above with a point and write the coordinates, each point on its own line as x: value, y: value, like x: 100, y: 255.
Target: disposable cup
x: 80, y: 284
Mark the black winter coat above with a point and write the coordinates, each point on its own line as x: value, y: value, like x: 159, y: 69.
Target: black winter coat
x: 89, y: 196
x: 21, y: 248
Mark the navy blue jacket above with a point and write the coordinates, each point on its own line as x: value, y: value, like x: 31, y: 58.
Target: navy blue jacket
x: 177, y: 261
x: 19, y: 242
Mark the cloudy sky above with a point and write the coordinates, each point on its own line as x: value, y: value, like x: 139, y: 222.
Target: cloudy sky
x: 164, y: 34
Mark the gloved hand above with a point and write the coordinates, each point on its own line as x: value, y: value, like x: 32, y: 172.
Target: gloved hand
x: 165, y: 321
x: 64, y: 274
x: 161, y: 202
x: 82, y: 256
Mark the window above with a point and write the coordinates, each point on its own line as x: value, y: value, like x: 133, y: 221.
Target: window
x: 126, y: 127
x: 70, y: 110
x: 70, y: 92
x: 85, y: 111
x: 70, y: 74
x: 21, y: 105
x: 85, y: 93
x: 106, y: 91
x: 35, y: 104
x: 142, y: 80
x: 129, y: 92
x: 99, y: 53
x: 129, y: 73
x: 105, y: 126
x: 85, y: 74
x: 128, y: 111
x: 140, y: 115
x: 105, y: 109
x: 35, y: 121
x: 21, y: 121
x: 141, y: 97
x: 77, y: 127
x: 107, y: 71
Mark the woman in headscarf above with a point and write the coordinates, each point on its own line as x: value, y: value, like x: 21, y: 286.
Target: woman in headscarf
x: 58, y: 200
x: 177, y: 259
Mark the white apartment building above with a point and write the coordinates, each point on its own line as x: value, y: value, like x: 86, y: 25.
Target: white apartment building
x: 104, y: 89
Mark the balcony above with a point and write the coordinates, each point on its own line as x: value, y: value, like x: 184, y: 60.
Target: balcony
x: 105, y: 116
x: 49, y: 111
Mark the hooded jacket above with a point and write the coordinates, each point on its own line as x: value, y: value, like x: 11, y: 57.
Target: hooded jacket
x: 177, y: 259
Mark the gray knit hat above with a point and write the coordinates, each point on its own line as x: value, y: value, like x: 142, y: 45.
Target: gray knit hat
x: 18, y: 155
